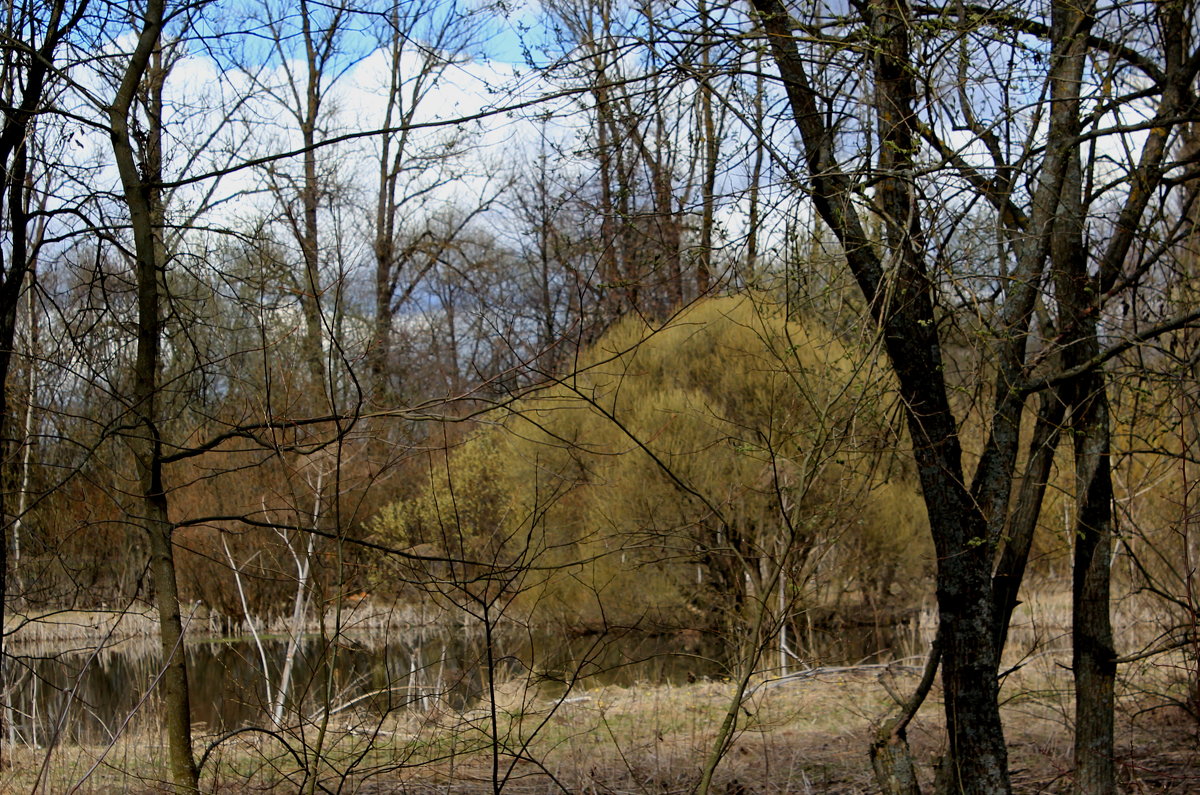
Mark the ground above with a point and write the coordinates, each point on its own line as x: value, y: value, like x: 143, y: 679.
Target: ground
x: 810, y: 734
x: 807, y: 733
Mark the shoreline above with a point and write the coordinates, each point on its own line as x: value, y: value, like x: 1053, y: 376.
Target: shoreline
x: 100, y: 626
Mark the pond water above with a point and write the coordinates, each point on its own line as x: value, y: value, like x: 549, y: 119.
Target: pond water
x: 88, y: 696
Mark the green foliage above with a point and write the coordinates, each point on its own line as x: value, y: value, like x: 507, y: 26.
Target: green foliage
x: 464, y: 505
x: 677, y: 467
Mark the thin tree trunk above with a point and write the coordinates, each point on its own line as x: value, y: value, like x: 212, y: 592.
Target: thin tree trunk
x: 27, y: 435
x: 145, y: 73
x: 753, y: 221
x: 610, y: 269
x: 299, y: 613
x: 712, y: 148
x: 387, y: 265
x: 311, y: 289
x: 21, y: 102
x: 1010, y: 571
x: 891, y: 757
x: 254, y: 635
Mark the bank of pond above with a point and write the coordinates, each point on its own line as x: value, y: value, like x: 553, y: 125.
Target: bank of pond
x: 75, y: 692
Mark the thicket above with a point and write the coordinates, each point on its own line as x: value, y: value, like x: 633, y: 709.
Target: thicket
x: 657, y: 483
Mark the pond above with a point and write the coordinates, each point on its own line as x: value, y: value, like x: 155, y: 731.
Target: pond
x: 88, y: 695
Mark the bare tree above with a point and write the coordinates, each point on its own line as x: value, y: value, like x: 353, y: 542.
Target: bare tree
x: 898, y: 275
x: 34, y: 37
x: 422, y: 40
x: 135, y: 117
x: 309, y: 57
x: 637, y: 139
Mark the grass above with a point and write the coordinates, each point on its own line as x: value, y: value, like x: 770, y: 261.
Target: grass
x: 807, y: 733
x: 61, y: 626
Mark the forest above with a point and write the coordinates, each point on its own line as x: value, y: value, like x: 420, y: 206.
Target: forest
x: 432, y: 357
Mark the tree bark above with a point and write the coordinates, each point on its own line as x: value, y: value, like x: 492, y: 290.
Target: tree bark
x: 1093, y: 655
x: 1010, y: 571
x: 891, y: 757
x: 711, y: 149
x: 144, y: 75
x: 754, y: 211
x: 310, y: 197
x: 903, y: 310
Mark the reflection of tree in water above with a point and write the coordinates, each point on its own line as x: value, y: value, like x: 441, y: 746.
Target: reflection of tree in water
x: 96, y: 694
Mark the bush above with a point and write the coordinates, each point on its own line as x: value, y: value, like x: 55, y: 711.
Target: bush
x: 676, y: 469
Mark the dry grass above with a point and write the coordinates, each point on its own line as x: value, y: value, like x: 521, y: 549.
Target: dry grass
x: 132, y: 764
x: 62, y: 626
x: 807, y: 733
x: 102, y: 626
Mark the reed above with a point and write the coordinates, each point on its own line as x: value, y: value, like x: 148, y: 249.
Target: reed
x: 95, y: 627
x: 64, y: 626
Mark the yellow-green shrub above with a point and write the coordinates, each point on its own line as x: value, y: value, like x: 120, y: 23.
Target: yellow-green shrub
x: 677, y: 467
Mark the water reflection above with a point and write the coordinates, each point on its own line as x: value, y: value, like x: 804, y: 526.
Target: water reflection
x: 89, y: 696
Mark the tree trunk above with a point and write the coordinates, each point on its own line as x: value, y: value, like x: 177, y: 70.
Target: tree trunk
x: 144, y: 75
x: 22, y: 99
x: 310, y: 198
x: 1010, y: 571
x: 1093, y: 656
x: 711, y: 149
x: 1078, y: 300
x: 978, y: 760
x: 610, y: 269
x: 891, y: 757
x: 753, y: 220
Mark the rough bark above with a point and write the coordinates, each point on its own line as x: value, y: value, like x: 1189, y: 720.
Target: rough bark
x: 1078, y: 302
x: 1093, y: 655
x: 905, y: 316
x: 891, y: 757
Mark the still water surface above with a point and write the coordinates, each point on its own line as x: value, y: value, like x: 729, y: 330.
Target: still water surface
x: 88, y: 696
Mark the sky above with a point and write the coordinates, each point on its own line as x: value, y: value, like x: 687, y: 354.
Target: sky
x: 488, y: 96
